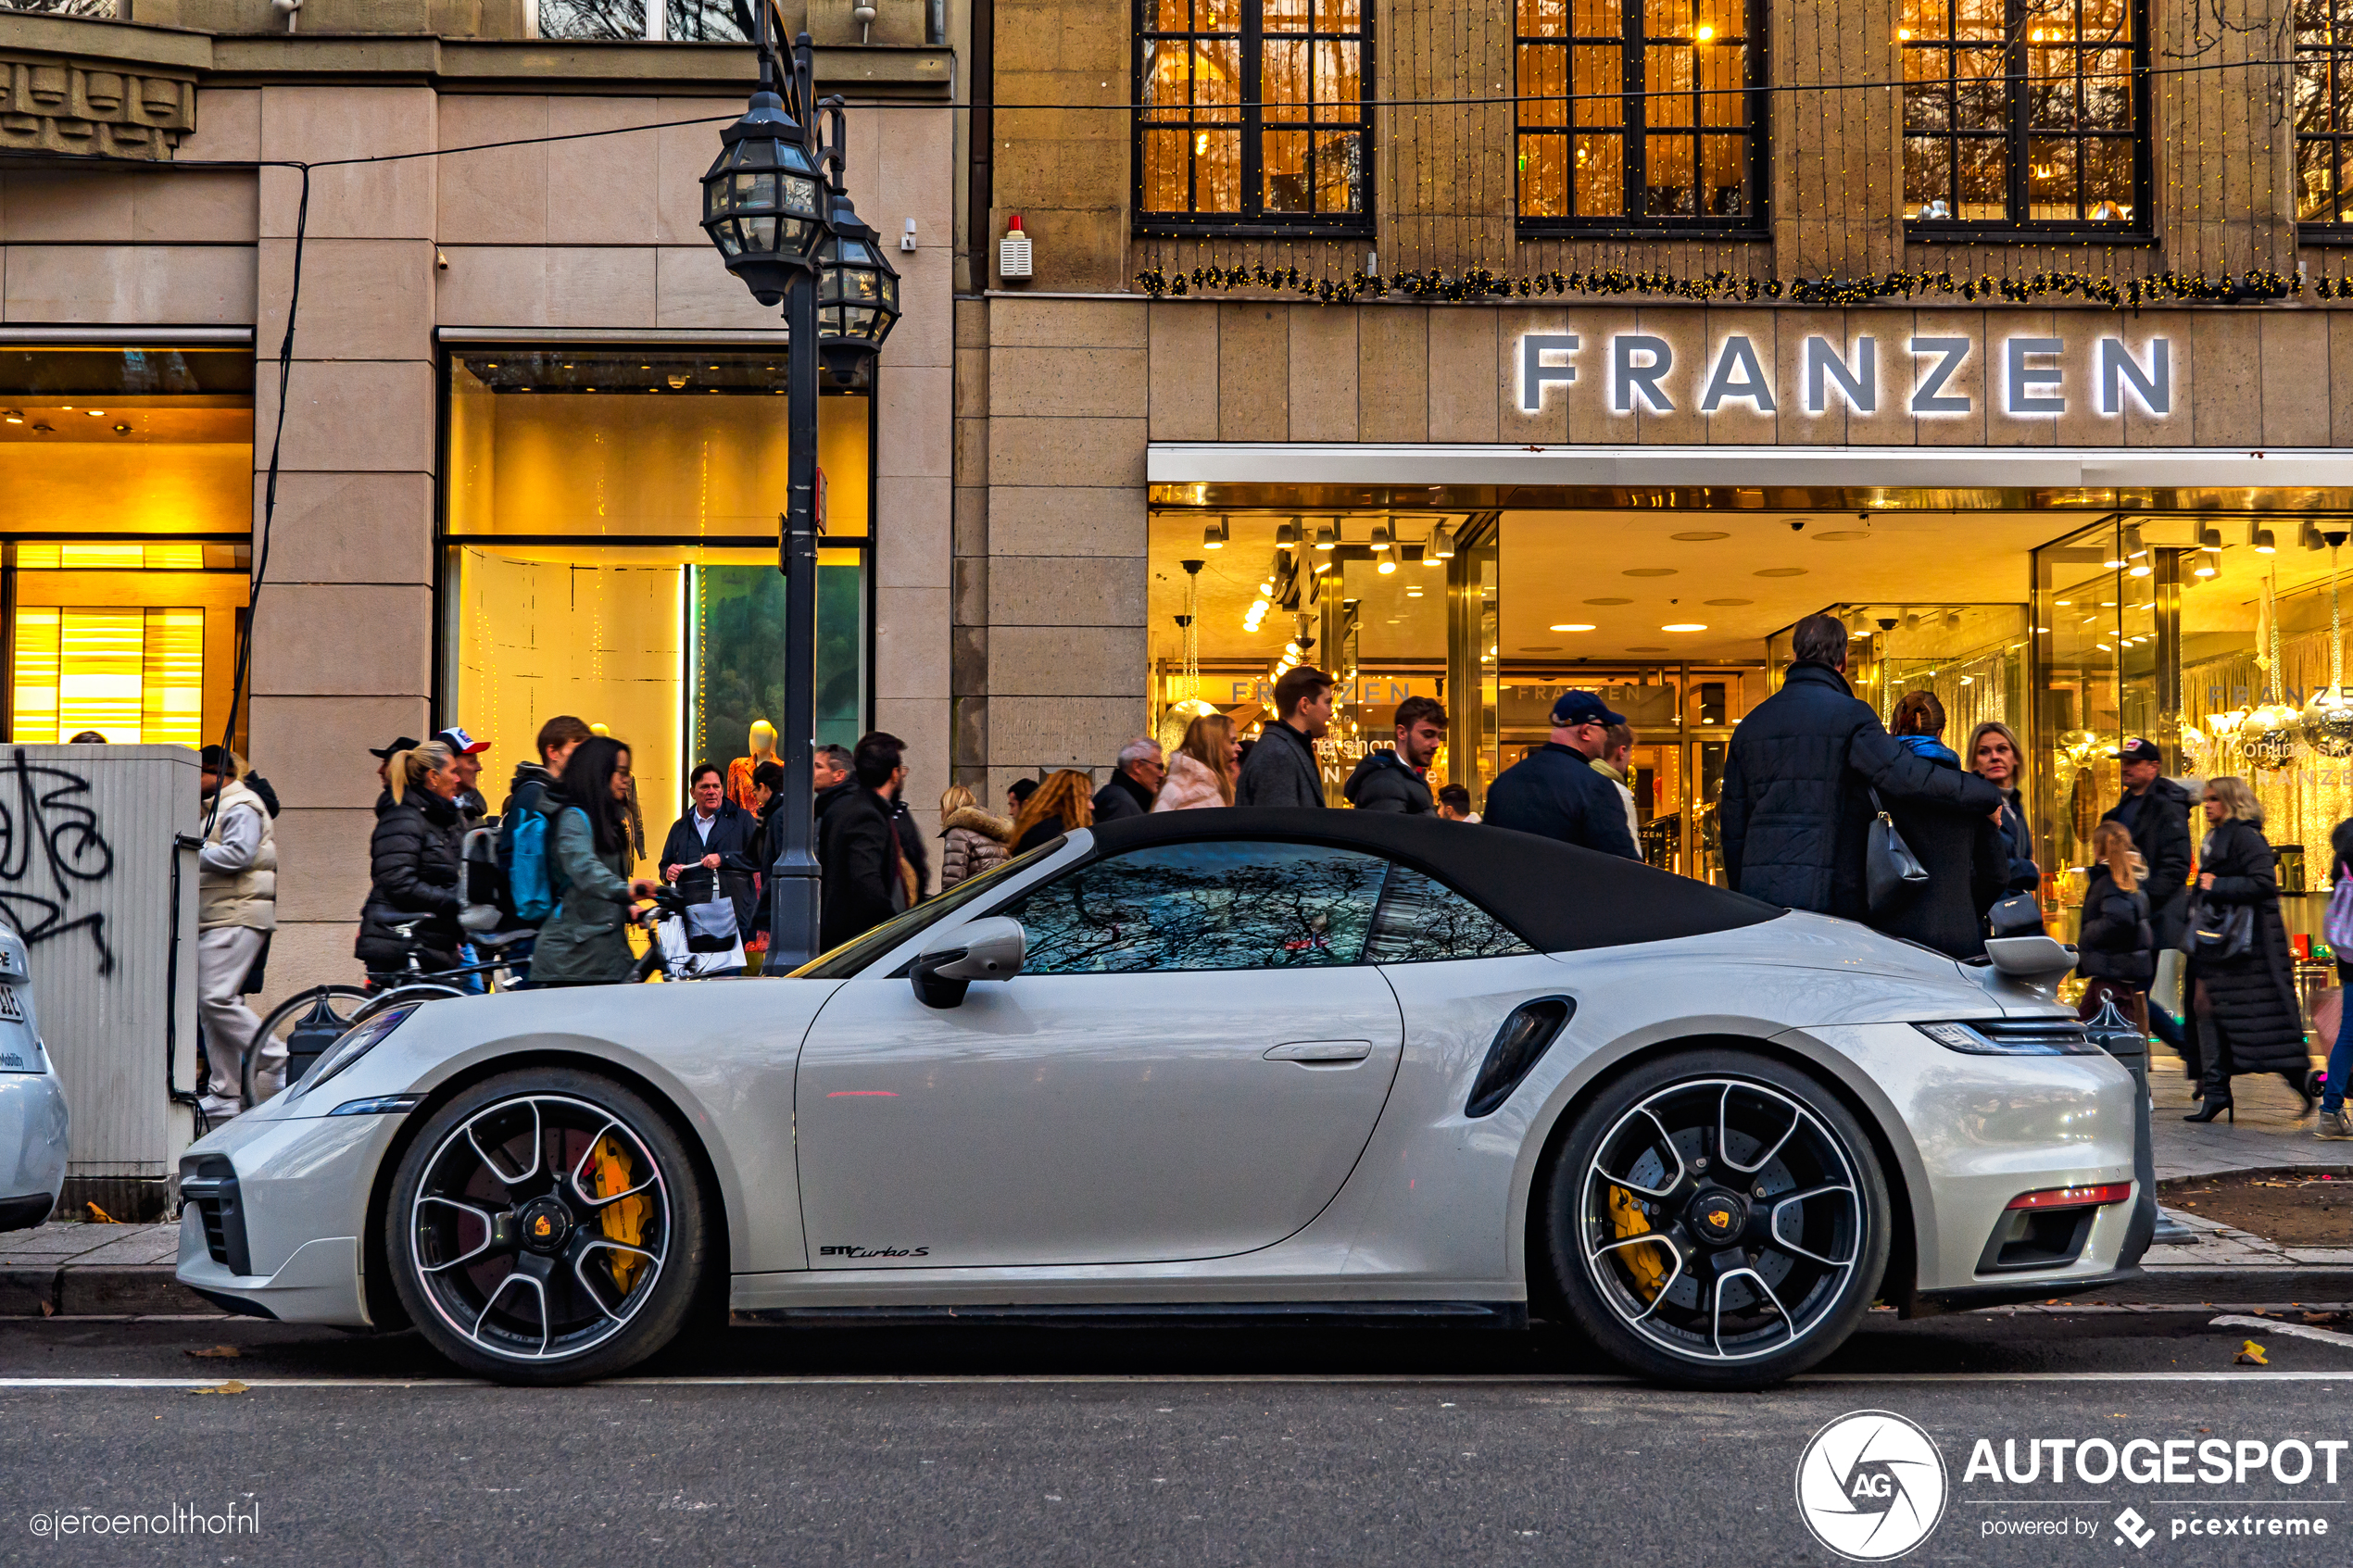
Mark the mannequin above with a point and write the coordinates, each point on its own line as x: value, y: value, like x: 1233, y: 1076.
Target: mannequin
x: 763, y: 749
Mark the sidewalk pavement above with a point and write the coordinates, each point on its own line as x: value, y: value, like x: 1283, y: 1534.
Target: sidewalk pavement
x: 80, y: 1269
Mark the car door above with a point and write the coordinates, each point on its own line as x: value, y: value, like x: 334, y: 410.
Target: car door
x: 1188, y: 1066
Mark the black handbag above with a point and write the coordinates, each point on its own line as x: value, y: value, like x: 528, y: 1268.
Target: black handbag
x: 2017, y: 915
x: 1891, y: 872
x: 2220, y: 935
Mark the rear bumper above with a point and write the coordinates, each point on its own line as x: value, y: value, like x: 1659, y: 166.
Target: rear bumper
x: 33, y: 1126
x: 1930, y: 1303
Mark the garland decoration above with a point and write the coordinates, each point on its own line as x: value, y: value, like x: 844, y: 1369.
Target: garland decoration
x: 1476, y: 285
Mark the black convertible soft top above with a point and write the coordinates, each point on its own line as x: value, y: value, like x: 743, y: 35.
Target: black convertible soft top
x: 1557, y: 897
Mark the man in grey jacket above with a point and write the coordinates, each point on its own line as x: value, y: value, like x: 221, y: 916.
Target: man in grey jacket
x: 1281, y: 769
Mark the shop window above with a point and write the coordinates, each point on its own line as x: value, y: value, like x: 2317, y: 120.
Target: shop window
x: 693, y: 21
x: 1254, y: 117
x: 2025, y: 114
x: 129, y: 473
x: 611, y: 553
x: 2324, y: 118
x: 1641, y: 114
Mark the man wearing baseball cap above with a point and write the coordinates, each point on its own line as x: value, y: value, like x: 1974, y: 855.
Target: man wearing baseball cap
x: 1553, y: 791
x: 2156, y: 811
x: 465, y: 753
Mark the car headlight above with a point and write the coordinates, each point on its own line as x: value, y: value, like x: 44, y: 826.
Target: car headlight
x: 355, y: 1043
x: 2013, y: 1036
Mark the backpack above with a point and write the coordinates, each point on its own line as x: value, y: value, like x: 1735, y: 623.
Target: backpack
x: 2337, y: 928
x: 505, y: 866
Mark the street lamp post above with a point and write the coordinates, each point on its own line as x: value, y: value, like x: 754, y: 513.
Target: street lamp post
x: 765, y: 212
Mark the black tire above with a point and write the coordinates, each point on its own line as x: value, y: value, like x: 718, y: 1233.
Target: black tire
x: 341, y: 1003
x: 463, y: 1193
x: 1699, y: 1307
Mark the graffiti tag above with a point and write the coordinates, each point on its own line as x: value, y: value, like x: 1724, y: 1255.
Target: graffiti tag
x: 51, y: 845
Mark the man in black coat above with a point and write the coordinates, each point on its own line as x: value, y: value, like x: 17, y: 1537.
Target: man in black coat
x: 1796, y: 803
x: 1135, y: 782
x: 2156, y: 811
x: 1553, y: 791
x: 1397, y: 781
x: 715, y: 837
x: 857, y: 848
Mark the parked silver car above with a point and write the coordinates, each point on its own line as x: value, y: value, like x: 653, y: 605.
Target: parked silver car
x: 1288, y: 1065
x: 32, y: 1103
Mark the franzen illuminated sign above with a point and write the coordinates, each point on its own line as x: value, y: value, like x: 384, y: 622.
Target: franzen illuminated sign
x: 2031, y: 382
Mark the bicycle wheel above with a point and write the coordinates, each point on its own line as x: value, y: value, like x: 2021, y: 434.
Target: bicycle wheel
x: 301, y: 1026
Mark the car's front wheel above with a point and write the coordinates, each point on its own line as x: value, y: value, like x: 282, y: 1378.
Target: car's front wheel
x: 547, y: 1226
x: 1716, y: 1219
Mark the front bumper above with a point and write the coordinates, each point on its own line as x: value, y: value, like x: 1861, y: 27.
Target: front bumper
x: 33, y: 1128
x: 276, y: 1208
x: 1971, y: 1132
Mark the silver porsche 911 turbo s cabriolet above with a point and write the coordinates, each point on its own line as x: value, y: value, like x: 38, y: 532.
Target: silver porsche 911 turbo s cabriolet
x: 1258, y: 1064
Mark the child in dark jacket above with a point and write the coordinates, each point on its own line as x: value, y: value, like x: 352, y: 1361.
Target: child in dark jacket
x: 2116, y: 946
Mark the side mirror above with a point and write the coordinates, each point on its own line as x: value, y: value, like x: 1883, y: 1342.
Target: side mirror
x: 986, y: 950
x: 2026, y: 957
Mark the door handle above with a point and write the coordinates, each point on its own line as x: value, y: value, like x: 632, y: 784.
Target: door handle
x: 1322, y: 1050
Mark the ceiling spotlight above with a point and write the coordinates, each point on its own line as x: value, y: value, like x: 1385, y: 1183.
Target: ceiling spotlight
x: 2264, y: 542
x: 1571, y: 626
x: 1213, y: 538
x: 1441, y: 546
x: 1287, y: 536
x: 2140, y: 571
x: 14, y: 416
x: 122, y: 429
x: 96, y: 413
x: 1382, y: 538
x: 2209, y: 538
x: 1386, y: 567
x: 1327, y: 536
x: 2203, y: 569
x: 1684, y: 626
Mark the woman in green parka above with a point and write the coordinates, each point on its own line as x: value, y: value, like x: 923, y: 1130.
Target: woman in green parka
x: 585, y: 942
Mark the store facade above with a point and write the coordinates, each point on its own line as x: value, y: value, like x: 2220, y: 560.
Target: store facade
x: 535, y: 448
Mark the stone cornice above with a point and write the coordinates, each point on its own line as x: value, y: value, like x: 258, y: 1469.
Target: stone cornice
x: 878, y: 70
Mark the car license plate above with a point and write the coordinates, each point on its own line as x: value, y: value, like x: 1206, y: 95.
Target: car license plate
x: 10, y: 1008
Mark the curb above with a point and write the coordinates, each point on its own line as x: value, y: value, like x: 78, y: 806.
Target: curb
x: 128, y: 1290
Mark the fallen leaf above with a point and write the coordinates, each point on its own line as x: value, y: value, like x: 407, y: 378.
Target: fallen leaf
x: 218, y: 1353
x: 2251, y: 1354
x: 231, y: 1386
x: 48, y: 1308
x: 101, y: 1217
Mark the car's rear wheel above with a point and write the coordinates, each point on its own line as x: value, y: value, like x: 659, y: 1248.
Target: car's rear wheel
x: 1717, y: 1220
x: 547, y: 1226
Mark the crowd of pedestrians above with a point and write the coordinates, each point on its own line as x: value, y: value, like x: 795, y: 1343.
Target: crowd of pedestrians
x: 2182, y: 936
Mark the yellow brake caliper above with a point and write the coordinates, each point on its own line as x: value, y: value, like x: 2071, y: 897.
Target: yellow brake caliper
x: 623, y: 1222
x: 1627, y: 1217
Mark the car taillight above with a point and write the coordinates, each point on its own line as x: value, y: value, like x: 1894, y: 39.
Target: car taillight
x: 2073, y: 1198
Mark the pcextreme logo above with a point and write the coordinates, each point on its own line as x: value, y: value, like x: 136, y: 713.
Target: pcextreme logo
x: 1872, y: 1486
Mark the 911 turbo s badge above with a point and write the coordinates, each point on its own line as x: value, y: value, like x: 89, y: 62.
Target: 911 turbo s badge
x: 874, y: 1252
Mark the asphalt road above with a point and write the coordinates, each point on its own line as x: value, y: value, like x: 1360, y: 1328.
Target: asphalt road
x: 982, y: 1445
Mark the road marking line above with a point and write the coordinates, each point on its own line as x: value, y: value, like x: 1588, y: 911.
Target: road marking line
x: 2273, y: 1325
x: 1537, y: 1380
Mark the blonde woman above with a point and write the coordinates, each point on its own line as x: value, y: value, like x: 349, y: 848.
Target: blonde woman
x: 2242, y: 1004
x: 972, y: 840
x: 2118, y: 946
x: 1201, y: 773
x: 1065, y: 803
x: 412, y: 865
x: 1995, y: 757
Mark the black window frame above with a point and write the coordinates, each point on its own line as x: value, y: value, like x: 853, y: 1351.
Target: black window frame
x: 1253, y: 220
x: 2018, y: 134
x: 1634, y: 39
x: 2335, y: 60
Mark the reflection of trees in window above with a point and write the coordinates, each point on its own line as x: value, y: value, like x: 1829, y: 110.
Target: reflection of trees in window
x: 689, y: 21
x: 2325, y: 111
x: 1420, y: 920
x: 1249, y: 906
x: 1204, y: 906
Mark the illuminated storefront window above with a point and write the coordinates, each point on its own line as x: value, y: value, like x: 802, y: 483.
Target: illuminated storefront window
x: 609, y: 552
x: 125, y: 558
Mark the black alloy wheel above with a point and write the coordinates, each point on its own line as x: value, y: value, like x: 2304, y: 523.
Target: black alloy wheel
x: 1716, y: 1220
x: 547, y: 1226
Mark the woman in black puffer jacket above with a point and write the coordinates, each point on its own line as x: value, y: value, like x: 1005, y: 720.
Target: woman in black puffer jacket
x: 2116, y: 944
x: 1964, y: 853
x: 2245, y: 1008
x: 412, y: 864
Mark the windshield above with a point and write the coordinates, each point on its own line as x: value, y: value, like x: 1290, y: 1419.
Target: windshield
x: 858, y: 951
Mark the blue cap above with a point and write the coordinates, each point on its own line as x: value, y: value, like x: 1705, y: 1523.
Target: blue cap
x: 1582, y: 707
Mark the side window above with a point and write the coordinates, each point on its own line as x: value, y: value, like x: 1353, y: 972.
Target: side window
x: 1204, y: 906
x: 1421, y: 921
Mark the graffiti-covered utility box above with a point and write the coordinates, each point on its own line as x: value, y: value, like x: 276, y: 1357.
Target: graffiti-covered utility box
x: 98, y: 873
